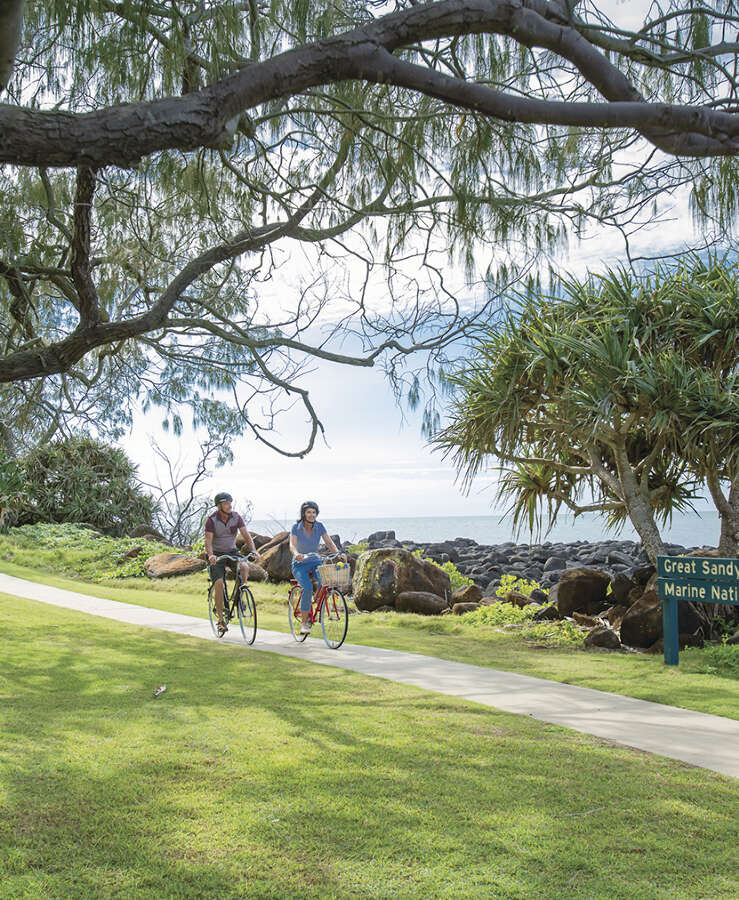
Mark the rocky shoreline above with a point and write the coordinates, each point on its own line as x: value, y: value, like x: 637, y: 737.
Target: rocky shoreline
x: 545, y: 563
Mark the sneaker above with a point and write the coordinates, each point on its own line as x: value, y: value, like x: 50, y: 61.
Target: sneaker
x: 305, y: 629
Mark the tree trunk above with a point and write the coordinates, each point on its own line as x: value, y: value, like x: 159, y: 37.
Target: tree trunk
x: 728, y: 511
x: 636, y: 500
x: 11, y: 20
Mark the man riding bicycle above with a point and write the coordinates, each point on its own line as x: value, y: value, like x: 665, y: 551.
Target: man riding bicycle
x: 221, y: 528
x: 305, y: 538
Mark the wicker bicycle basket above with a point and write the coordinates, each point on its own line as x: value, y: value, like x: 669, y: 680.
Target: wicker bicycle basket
x: 333, y: 576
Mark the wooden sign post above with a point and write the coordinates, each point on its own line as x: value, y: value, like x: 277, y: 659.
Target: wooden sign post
x: 700, y: 579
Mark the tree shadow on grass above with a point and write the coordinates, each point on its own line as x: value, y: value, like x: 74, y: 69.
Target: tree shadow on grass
x: 259, y: 775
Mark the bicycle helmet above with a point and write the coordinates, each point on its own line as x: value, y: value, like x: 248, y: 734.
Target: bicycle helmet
x: 309, y: 504
x: 223, y: 497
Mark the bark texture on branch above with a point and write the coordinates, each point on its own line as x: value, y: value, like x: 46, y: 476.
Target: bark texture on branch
x: 11, y: 21
x: 122, y: 135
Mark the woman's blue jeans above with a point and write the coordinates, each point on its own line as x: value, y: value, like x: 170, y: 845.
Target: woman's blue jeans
x: 301, y: 571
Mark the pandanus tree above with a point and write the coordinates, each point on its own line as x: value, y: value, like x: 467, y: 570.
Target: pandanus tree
x: 618, y: 394
x: 162, y: 164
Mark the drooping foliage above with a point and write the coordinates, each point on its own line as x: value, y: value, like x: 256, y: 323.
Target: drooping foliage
x: 163, y: 277
x: 619, y: 394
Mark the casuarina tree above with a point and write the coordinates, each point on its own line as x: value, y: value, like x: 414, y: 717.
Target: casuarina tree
x: 162, y: 163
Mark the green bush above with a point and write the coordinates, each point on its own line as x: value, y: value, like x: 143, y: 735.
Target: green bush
x: 713, y: 659
x: 457, y: 579
x: 356, y: 549
x: 84, y: 481
x: 551, y: 634
x: 74, y: 550
x: 512, y: 583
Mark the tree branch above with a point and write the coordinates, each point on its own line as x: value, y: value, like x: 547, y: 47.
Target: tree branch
x: 122, y: 135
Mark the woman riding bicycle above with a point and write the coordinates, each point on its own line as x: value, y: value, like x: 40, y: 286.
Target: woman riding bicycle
x: 305, y: 538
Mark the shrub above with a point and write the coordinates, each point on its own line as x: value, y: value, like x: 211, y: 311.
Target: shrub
x: 70, y: 549
x: 84, y: 481
x: 457, y: 579
x: 714, y: 659
x: 359, y: 547
x: 513, y: 583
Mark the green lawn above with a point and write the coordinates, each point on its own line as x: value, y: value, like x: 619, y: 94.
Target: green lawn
x: 255, y: 775
x: 636, y: 675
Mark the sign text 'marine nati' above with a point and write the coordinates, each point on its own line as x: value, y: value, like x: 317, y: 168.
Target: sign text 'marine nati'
x: 703, y: 579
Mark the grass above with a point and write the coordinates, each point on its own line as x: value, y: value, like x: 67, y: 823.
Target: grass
x: 255, y: 775
x: 638, y: 675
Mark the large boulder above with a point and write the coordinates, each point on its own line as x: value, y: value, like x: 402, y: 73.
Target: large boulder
x: 582, y: 590
x: 470, y: 593
x: 276, y: 560
x: 260, y: 540
x: 256, y: 573
x: 280, y: 538
x: 459, y: 609
x: 641, y: 625
x: 601, y: 636
x: 381, y: 575
x: 169, y: 565
x: 421, y: 602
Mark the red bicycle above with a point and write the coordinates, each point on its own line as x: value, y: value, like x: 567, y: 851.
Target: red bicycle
x: 328, y: 605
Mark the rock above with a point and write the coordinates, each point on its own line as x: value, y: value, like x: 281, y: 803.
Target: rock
x: 589, y: 621
x: 602, y: 636
x: 169, y: 565
x: 641, y: 575
x: 616, y: 556
x: 547, y: 613
x: 539, y: 596
x: 734, y: 639
x: 276, y: 560
x: 279, y: 538
x: 471, y: 593
x: 641, y: 625
x: 260, y: 540
x: 381, y: 536
x: 583, y: 590
x: 422, y: 602
x: 150, y: 532
x: 459, y: 609
x: 615, y: 614
x: 555, y: 562
x: 256, y: 573
x: 620, y: 588
x: 130, y: 554
x: 381, y: 575
x: 516, y: 598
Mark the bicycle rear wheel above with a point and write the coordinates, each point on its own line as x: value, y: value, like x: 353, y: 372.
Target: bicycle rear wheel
x: 334, y: 618
x: 293, y: 613
x: 247, y: 611
x: 212, y: 611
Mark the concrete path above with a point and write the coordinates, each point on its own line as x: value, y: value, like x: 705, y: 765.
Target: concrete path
x: 711, y: 742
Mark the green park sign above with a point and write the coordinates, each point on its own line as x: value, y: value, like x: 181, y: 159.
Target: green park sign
x: 700, y: 579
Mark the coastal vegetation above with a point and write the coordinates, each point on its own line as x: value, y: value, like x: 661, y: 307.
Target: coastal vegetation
x: 619, y: 394
x: 505, y: 638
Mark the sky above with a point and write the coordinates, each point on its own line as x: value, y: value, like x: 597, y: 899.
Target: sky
x: 374, y: 461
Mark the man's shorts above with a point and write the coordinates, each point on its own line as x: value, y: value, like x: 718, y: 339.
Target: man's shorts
x: 219, y: 569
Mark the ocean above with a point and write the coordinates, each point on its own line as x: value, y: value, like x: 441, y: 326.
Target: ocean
x: 687, y: 529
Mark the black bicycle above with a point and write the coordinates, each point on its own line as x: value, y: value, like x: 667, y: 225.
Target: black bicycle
x: 239, y: 604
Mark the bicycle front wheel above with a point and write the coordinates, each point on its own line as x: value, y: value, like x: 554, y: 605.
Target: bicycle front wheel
x: 334, y: 618
x: 293, y: 613
x: 247, y: 611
